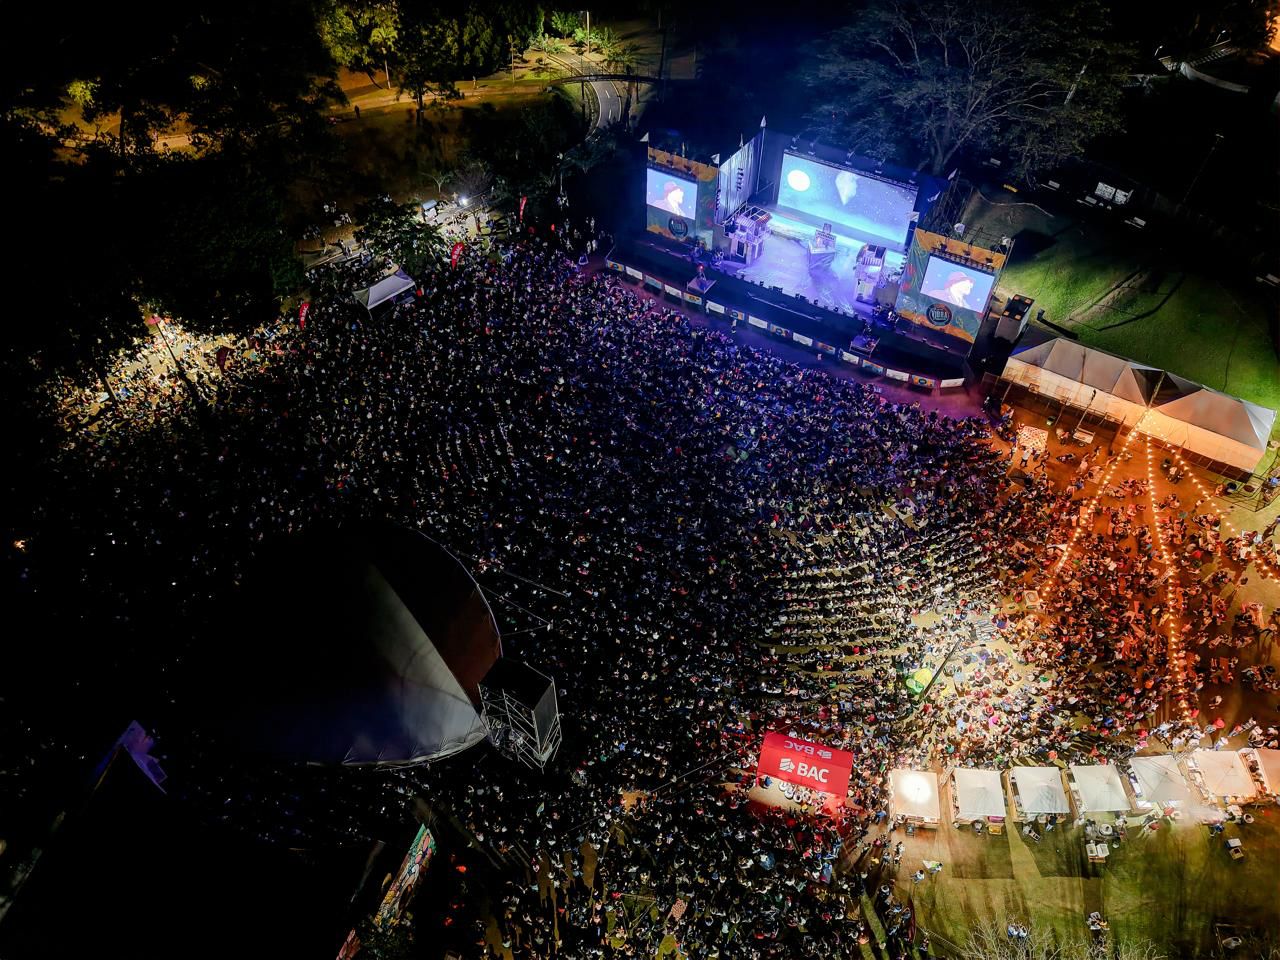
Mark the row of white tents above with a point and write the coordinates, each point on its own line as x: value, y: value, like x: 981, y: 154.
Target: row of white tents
x: 1223, y: 429
x: 1196, y: 785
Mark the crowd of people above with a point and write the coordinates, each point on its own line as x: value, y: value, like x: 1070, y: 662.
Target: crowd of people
x: 698, y: 540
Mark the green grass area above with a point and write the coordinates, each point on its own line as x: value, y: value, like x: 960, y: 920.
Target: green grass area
x: 1169, y: 888
x: 1122, y: 293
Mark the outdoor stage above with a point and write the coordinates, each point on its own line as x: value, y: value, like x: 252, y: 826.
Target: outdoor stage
x: 812, y: 245
x: 670, y: 268
x: 786, y: 263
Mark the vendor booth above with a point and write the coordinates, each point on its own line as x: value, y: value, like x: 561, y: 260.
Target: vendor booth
x: 1221, y: 774
x: 386, y: 289
x: 1264, y: 765
x: 1097, y: 788
x: 1158, y: 784
x: 1038, y: 793
x: 913, y: 795
x: 977, y: 795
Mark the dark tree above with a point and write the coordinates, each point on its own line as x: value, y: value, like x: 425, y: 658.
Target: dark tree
x: 208, y: 240
x: 923, y: 81
x: 396, y: 232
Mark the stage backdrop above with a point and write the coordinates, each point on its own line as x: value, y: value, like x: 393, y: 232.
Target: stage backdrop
x: 857, y: 205
x: 806, y: 764
x: 943, y: 295
x: 680, y: 197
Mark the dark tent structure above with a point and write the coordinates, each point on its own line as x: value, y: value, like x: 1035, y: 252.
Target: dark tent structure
x: 360, y: 645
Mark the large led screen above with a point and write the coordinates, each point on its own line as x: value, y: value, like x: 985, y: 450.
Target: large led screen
x: 670, y: 204
x: 957, y: 286
x: 670, y: 193
x: 941, y: 294
x: 857, y: 206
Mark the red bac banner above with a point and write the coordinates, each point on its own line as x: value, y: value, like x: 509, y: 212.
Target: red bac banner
x: 805, y: 764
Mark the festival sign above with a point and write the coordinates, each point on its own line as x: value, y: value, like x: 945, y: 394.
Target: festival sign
x: 805, y: 764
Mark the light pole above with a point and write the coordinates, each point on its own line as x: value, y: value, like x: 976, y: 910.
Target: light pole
x: 1217, y: 141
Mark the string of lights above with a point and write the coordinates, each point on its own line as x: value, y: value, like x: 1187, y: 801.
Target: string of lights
x: 1172, y: 600
x: 1266, y: 569
x: 1091, y: 507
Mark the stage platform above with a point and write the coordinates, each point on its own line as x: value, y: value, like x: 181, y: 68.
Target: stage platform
x: 664, y: 264
x: 785, y: 261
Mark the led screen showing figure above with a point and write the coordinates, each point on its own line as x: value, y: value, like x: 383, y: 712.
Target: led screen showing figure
x: 671, y: 203
x: 670, y: 193
x: 856, y: 205
x: 950, y: 283
x: 941, y: 294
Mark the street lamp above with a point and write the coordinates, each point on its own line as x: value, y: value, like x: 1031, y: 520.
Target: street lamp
x: 462, y: 201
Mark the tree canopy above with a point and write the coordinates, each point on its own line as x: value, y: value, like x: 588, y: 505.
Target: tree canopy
x: 924, y: 81
x: 396, y: 232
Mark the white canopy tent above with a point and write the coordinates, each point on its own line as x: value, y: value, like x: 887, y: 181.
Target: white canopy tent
x: 915, y: 794
x: 1098, y: 788
x: 1267, y: 763
x: 1215, y: 425
x: 388, y: 288
x: 1039, y: 790
x: 1072, y: 373
x: 1219, y: 427
x: 1224, y: 773
x: 978, y: 794
x: 1160, y: 781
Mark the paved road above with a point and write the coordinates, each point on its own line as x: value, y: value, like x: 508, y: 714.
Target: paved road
x: 610, y: 94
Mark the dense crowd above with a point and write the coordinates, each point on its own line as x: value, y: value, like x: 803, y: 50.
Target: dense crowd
x: 733, y: 543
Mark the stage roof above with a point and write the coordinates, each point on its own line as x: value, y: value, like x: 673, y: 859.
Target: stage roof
x: 1161, y: 779
x: 1099, y: 788
x: 979, y: 794
x: 915, y: 793
x: 363, y: 645
x: 782, y: 142
x: 1040, y: 789
x: 1224, y: 773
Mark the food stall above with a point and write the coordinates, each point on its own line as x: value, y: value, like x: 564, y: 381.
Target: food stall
x: 977, y: 796
x: 1264, y: 765
x: 1038, y: 793
x: 1221, y: 775
x: 1096, y: 788
x: 1158, y: 784
x: 913, y: 796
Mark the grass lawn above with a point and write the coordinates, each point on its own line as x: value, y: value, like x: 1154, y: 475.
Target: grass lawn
x: 1122, y: 294
x: 1169, y: 887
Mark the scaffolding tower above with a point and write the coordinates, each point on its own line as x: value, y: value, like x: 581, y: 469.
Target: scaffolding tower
x: 519, y: 705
